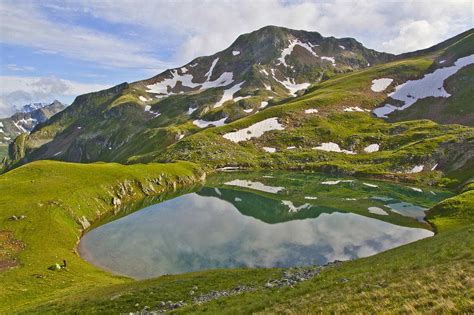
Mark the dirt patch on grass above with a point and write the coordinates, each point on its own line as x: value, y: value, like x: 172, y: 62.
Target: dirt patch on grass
x: 9, y: 250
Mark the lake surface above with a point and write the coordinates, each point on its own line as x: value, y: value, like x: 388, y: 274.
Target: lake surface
x: 262, y: 220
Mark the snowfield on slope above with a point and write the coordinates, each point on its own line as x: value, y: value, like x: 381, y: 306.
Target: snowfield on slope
x: 332, y: 147
x: 204, y: 123
x: 331, y: 59
x: 372, y: 148
x: 161, y: 88
x: 431, y: 85
x: 287, y: 51
x: 228, y: 94
x: 355, y: 109
x: 379, y: 85
x: 254, y: 131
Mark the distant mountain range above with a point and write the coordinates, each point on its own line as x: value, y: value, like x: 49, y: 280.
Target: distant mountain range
x: 311, y: 93
x: 28, y: 117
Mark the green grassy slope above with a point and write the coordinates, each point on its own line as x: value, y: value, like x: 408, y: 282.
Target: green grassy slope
x: 402, y: 145
x: 54, y: 196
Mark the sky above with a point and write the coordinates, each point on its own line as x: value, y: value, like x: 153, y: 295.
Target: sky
x: 58, y: 49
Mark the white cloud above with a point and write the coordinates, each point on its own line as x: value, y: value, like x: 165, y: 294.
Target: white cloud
x: 414, y: 35
x: 212, y: 25
x: 183, y: 30
x: 15, y: 67
x: 23, y: 24
x: 16, y: 91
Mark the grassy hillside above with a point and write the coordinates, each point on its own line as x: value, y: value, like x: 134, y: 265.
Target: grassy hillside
x: 402, y: 144
x: 54, y: 197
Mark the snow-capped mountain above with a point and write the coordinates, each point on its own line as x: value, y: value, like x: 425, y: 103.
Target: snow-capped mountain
x: 274, y: 78
x: 26, y: 119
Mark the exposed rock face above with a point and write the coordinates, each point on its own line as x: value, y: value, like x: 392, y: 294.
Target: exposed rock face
x: 84, y: 222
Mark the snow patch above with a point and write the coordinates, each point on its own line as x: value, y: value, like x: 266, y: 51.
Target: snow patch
x: 416, y: 169
x: 191, y: 110
x: 155, y: 113
x: 228, y: 94
x: 204, y: 123
x: 431, y: 85
x: 238, y: 98
x: 248, y: 110
x: 355, y: 109
x: 370, y: 185
x: 416, y: 189
x: 254, y: 131
x: 379, y: 85
x: 269, y: 149
x: 310, y: 198
x: 291, y: 86
x: 372, y: 148
x: 342, y: 47
x: 291, y: 147
x: 310, y: 111
x: 287, y: 51
x: 331, y: 59
x: 209, y: 73
x: 235, y: 52
x: 332, y: 147
x: 255, y: 185
x: 186, y: 80
x: 335, y: 182
x: 434, y: 167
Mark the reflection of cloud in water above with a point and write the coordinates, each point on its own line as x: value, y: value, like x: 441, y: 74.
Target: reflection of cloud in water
x: 193, y: 232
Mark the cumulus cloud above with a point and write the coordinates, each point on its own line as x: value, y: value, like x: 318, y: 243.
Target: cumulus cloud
x: 416, y: 34
x: 16, y: 91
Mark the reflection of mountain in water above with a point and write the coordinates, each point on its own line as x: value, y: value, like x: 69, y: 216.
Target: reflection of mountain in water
x: 265, y: 208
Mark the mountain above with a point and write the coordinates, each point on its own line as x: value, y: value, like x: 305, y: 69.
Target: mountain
x: 28, y: 117
x: 305, y: 97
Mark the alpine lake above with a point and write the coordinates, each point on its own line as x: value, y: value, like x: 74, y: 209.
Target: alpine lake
x: 261, y: 220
